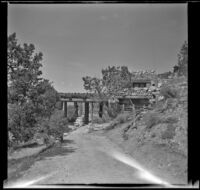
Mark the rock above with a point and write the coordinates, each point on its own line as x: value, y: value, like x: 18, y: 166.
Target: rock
x: 160, y: 98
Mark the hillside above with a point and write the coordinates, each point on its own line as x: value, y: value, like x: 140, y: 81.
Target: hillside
x: 159, y: 138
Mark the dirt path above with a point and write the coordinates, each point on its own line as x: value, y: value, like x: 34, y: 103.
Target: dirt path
x: 86, y: 159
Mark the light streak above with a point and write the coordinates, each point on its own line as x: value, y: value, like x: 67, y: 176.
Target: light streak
x: 27, y: 183
x: 143, y: 173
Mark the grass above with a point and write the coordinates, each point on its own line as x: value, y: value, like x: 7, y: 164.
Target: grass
x: 169, y: 133
x: 18, y: 166
x: 170, y: 119
x: 151, y: 119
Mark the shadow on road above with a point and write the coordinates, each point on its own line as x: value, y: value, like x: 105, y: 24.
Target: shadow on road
x: 67, y: 141
x: 58, y: 150
x: 18, y: 166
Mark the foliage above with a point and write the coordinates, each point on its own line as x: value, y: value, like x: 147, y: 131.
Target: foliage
x: 113, y: 80
x: 144, y: 74
x: 165, y: 75
x: 30, y: 97
x: 21, y: 122
x: 58, y: 124
x: 169, y: 133
x: 116, y: 78
x: 151, y: 119
x: 97, y: 120
x: 55, y: 126
x: 59, y: 105
x: 23, y: 69
x: 122, y: 118
x: 181, y: 139
x: 106, y: 118
x: 93, y: 84
x: 170, y: 120
x: 71, y: 113
x: 113, y: 110
x: 182, y: 67
x: 168, y: 92
x: 45, y: 99
x: 183, y: 59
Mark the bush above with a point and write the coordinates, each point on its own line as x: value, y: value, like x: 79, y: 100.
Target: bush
x: 122, y: 118
x: 114, y: 110
x: 169, y: 133
x: 71, y: 113
x: 170, y: 120
x: 151, y: 119
x: 55, y: 126
x: 97, y: 120
x: 168, y: 92
x: 181, y: 139
x: 21, y: 122
x: 106, y: 118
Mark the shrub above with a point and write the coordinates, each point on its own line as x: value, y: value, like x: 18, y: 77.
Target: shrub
x: 55, y: 126
x: 151, y: 119
x: 114, y: 110
x: 58, y: 124
x: 106, y: 118
x: 168, y: 92
x: 21, y: 122
x: 97, y: 120
x: 169, y: 133
x: 170, y: 120
x: 71, y: 113
x: 181, y: 139
x: 122, y: 118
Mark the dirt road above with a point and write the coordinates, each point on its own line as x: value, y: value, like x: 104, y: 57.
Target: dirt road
x: 85, y: 158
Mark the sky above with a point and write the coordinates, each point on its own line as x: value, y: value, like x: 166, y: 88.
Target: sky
x: 80, y: 40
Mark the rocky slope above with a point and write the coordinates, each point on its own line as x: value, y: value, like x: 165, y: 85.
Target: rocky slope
x: 159, y: 137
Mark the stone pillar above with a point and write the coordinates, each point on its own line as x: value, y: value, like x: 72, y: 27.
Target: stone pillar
x: 123, y: 107
x: 100, y: 109
x: 76, y: 109
x: 107, y: 104
x: 83, y: 109
x: 63, y: 106
x: 86, y: 113
x: 65, y: 109
x: 92, y: 111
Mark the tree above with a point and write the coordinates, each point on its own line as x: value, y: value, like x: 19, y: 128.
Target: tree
x: 116, y: 78
x: 23, y: 69
x: 183, y: 60
x: 21, y: 121
x: 93, y: 84
x: 113, y: 80
x: 45, y: 99
x: 30, y: 96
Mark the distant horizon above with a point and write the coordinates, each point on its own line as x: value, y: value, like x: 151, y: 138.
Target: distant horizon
x: 81, y: 40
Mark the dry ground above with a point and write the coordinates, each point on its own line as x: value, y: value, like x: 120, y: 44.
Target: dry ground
x: 86, y: 158
x: 160, y: 159
x: 83, y: 159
